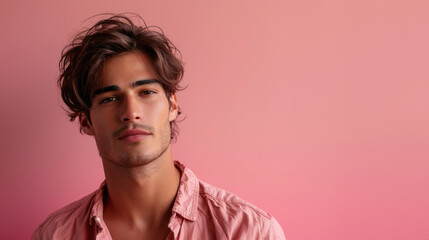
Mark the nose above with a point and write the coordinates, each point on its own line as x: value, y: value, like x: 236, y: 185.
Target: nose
x: 131, y: 110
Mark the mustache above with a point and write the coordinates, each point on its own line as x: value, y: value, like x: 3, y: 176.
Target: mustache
x: 146, y: 128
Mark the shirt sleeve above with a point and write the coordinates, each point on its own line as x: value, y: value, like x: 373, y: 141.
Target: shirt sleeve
x: 275, y: 232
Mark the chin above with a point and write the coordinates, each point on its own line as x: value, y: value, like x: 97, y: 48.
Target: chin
x: 137, y: 160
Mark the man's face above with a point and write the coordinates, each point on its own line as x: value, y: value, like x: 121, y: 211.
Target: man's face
x: 130, y: 113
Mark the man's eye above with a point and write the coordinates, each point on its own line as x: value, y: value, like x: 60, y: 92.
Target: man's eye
x: 147, y: 92
x: 108, y: 99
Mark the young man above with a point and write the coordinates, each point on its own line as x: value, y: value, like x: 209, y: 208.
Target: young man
x: 120, y: 81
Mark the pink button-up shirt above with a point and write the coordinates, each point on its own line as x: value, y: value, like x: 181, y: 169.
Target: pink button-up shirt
x: 200, y: 211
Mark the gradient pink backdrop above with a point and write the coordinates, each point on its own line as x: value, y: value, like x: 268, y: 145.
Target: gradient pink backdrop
x: 316, y: 111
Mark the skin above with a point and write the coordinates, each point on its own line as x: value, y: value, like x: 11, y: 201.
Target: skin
x: 141, y: 178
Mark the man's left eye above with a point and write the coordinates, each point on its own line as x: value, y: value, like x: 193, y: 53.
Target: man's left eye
x: 147, y: 92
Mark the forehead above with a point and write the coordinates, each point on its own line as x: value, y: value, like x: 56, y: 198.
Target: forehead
x: 126, y: 68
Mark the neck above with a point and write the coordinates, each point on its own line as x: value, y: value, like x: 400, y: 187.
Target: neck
x: 142, y: 197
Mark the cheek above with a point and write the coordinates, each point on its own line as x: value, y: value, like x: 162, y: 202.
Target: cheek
x: 101, y: 125
x: 102, y: 136
x: 159, y: 112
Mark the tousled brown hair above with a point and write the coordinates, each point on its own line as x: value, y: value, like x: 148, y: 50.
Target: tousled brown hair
x: 82, y: 60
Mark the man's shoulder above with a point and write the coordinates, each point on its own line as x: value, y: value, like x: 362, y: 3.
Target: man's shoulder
x: 211, y: 198
x: 222, y: 198
x: 66, y: 218
x: 242, y: 217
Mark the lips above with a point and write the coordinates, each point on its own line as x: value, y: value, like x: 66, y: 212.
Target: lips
x: 133, y: 135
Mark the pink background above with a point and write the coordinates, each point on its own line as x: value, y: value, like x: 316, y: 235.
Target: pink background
x: 316, y: 111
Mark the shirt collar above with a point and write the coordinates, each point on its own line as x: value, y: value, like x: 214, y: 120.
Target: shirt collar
x: 185, y: 205
x: 186, y: 202
x: 97, y: 205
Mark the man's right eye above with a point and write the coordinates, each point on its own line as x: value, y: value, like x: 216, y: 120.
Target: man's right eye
x: 108, y: 99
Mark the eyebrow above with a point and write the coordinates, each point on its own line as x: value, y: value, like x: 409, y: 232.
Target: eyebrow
x: 145, y: 82
x: 135, y: 84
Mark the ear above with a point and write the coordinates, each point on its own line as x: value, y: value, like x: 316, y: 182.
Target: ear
x: 85, y: 124
x: 174, y: 108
